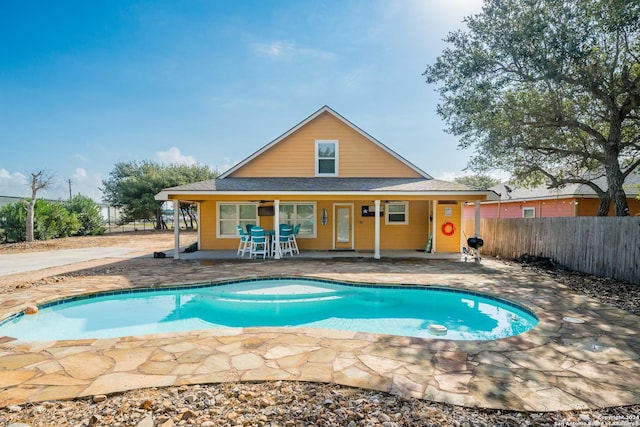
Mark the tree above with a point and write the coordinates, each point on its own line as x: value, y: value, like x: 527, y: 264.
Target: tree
x: 548, y: 90
x: 88, y: 213
x: 133, y: 186
x: 13, y: 220
x: 52, y: 220
x: 478, y: 182
x: 40, y: 180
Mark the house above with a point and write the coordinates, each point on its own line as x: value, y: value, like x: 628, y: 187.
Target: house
x: 345, y: 189
x: 542, y: 202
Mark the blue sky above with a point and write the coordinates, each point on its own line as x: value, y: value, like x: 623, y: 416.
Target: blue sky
x: 86, y: 84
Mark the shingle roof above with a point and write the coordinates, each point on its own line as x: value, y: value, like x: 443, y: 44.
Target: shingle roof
x: 320, y: 184
x: 511, y: 193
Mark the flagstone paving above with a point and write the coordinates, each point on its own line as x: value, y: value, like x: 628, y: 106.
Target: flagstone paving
x: 559, y: 365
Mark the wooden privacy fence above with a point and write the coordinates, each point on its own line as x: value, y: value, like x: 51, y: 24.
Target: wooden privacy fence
x: 604, y: 246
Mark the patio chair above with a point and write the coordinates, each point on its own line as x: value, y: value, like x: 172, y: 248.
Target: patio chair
x: 284, y: 226
x: 245, y: 242
x: 292, y: 239
x: 259, y: 244
x: 284, y: 243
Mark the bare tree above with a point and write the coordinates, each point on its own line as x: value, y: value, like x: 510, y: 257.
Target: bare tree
x: 40, y: 180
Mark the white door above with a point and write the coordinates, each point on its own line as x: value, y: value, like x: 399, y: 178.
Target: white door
x: 343, y: 231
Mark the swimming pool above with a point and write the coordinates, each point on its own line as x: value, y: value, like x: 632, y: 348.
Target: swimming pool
x: 415, y: 311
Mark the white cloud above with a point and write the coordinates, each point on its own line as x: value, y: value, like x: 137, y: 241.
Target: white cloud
x: 274, y: 49
x: 226, y: 165
x: 13, y: 183
x: 284, y: 50
x: 80, y: 173
x: 86, y: 183
x: 83, y: 182
x: 449, y: 176
x: 174, y: 156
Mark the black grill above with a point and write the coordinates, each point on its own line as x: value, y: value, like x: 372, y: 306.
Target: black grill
x: 475, y: 242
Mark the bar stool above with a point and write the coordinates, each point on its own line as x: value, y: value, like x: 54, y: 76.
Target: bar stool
x: 259, y: 245
x: 245, y: 242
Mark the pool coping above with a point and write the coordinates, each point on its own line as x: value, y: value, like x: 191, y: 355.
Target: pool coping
x: 549, y: 368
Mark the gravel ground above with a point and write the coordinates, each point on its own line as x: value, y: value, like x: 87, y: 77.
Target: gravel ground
x: 291, y: 404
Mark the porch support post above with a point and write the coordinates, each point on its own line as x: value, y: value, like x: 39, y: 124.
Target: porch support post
x: 476, y: 220
x: 198, y: 224
x: 176, y: 229
x: 376, y: 250
x: 434, y: 212
x: 276, y: 228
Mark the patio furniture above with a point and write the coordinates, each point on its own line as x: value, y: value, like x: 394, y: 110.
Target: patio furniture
x: 259, y: 244
x: 284, y: 243
x: 245, y: 242
x: 292, y: 239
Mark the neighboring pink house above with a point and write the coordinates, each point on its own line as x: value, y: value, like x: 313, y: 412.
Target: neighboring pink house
x: 541, y: 202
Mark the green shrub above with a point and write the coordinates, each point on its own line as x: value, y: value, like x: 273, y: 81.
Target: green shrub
x: 52, y: 220
x: 13, y: 220
x: 78, y: 217
x: 88, y: 212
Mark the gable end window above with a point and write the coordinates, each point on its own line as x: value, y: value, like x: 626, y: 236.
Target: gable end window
x: 396, y: 213
x: 326, y: 157
x: 528, y: 212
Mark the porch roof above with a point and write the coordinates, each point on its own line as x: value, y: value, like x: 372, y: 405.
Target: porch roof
x: 323, y: 185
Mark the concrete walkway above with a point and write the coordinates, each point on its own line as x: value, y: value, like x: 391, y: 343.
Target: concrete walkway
x: 30, y: 261
x: 559, y: 365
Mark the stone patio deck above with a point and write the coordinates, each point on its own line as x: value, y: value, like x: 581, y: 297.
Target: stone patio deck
x: 558, y: 365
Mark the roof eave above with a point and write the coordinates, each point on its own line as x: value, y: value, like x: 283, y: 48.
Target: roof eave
x: 471, y: 195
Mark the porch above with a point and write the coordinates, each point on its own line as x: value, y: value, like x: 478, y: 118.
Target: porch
x: 318, y: 255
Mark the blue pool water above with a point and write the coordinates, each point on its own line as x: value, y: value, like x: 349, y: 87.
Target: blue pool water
x: 426, y: 312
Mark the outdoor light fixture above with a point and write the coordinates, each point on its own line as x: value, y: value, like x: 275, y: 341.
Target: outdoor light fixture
x: 325, y: 216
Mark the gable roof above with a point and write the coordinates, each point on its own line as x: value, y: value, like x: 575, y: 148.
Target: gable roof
x: 324, y: 109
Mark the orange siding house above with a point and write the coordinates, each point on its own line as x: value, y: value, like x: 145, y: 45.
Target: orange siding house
x: 330, y: 177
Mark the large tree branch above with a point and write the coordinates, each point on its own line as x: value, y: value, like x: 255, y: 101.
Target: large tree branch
x: 630, y: 169
x: 555, y: 182
x: 561, y: 122
x: 559, y: 151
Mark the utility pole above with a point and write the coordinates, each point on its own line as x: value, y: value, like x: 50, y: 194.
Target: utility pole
x: 69, y: 189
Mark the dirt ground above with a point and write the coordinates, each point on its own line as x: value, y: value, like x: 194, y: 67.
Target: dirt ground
x: 144, y: 242
x: 150, y: 240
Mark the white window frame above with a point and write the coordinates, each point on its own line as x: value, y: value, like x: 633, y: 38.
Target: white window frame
x: 219, y: 234
x: 335, y: 159
x: 528, y: 209
x: 388, y: 221
x: 295, y: 204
